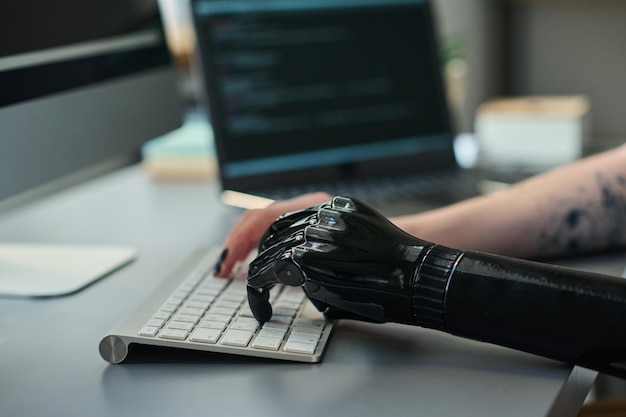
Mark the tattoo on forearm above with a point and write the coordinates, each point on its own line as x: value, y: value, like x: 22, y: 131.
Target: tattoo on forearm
x: 589, y: 223
x: 614, y: 203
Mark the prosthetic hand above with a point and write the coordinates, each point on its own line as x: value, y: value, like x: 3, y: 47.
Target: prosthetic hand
x: 353, y: 263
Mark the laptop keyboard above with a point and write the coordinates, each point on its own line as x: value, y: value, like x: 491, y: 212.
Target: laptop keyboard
x: 202, y: 312
x: 444, y: 187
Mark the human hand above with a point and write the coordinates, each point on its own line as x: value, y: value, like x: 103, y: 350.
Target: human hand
x: 350, y: 260
x: 246, y: 234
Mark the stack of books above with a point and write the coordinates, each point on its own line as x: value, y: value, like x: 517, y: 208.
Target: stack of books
x: 187, y: 153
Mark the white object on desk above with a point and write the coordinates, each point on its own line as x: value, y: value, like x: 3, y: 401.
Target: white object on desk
x: 532, y: 132
x: 39, y: 270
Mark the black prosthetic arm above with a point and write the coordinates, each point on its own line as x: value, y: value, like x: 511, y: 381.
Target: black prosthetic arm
x: 353, y: 263
x: 564, y: 314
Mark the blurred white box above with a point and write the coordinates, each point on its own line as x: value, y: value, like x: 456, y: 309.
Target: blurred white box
x: 537, y: 132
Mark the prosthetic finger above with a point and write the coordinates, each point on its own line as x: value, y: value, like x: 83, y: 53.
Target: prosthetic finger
x: 282, y: 270
x: 285, y: 227
x: 334, y: 306
x: 275, y: 251
x: 258, y: 300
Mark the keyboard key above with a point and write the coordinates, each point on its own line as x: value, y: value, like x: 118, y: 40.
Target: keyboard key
x: 245, y: 323
x: 274, y: 333
x: 237, y: 338
x: 197, y: 304
x: 284, y: 311
x: 180, y: 295
x: 288, y: 304
x: 267, y: 343
x: 187, y: 318
x: 155, y: 323
x: 303, y: 338
x: 308, y: 322
x: 186, y: 288
x: 229, y: 304
x: 175, y: 300
x: 234, y: 296
x: 215, y: 283
x: 222, y: 310
x: 201, y: 298
x: 162, y: 315
x: 300, y: 347
x: 217, y: 325
x: 276, y: 324
x: 191, y: 311
x: 148, y: 331
x: 308, y: 331
x: 246, y: 312
x: 237, y: 286
x: 206, y: 293
x: 205, y: 335
x: 175, y: 334
x: 310, y: 311
x: 217, y: 317
x: 284, y: 320
x: 181, y: 325
x: 169, y: 307
x: 293, y: 294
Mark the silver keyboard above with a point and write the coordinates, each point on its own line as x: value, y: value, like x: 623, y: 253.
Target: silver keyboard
x: 194, y: 310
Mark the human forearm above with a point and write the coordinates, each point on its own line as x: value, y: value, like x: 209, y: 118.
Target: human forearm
x: 579, y: 207
x: 576, y: 208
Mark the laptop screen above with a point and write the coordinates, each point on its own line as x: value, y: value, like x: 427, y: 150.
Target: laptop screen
x: 318, y: 87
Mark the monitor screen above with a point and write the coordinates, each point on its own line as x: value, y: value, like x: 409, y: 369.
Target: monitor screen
x: 297, y: 84
x: 84, y: 83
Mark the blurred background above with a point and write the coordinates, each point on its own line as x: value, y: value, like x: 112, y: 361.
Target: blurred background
x: 494, y: 48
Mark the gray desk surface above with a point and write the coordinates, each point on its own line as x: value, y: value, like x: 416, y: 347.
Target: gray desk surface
x: 50, y: 366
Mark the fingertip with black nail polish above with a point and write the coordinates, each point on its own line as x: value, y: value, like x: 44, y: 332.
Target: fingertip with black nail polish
x: 218, y: 265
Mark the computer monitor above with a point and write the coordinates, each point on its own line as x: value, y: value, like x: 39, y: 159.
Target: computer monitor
x: 83, y: 84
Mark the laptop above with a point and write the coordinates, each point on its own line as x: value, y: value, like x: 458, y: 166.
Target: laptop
x: 343, y: 96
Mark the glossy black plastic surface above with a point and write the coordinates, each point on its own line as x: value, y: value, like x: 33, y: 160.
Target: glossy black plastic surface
x: 351, y: 261
x: 258, y: 300
x: 568, y: 315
